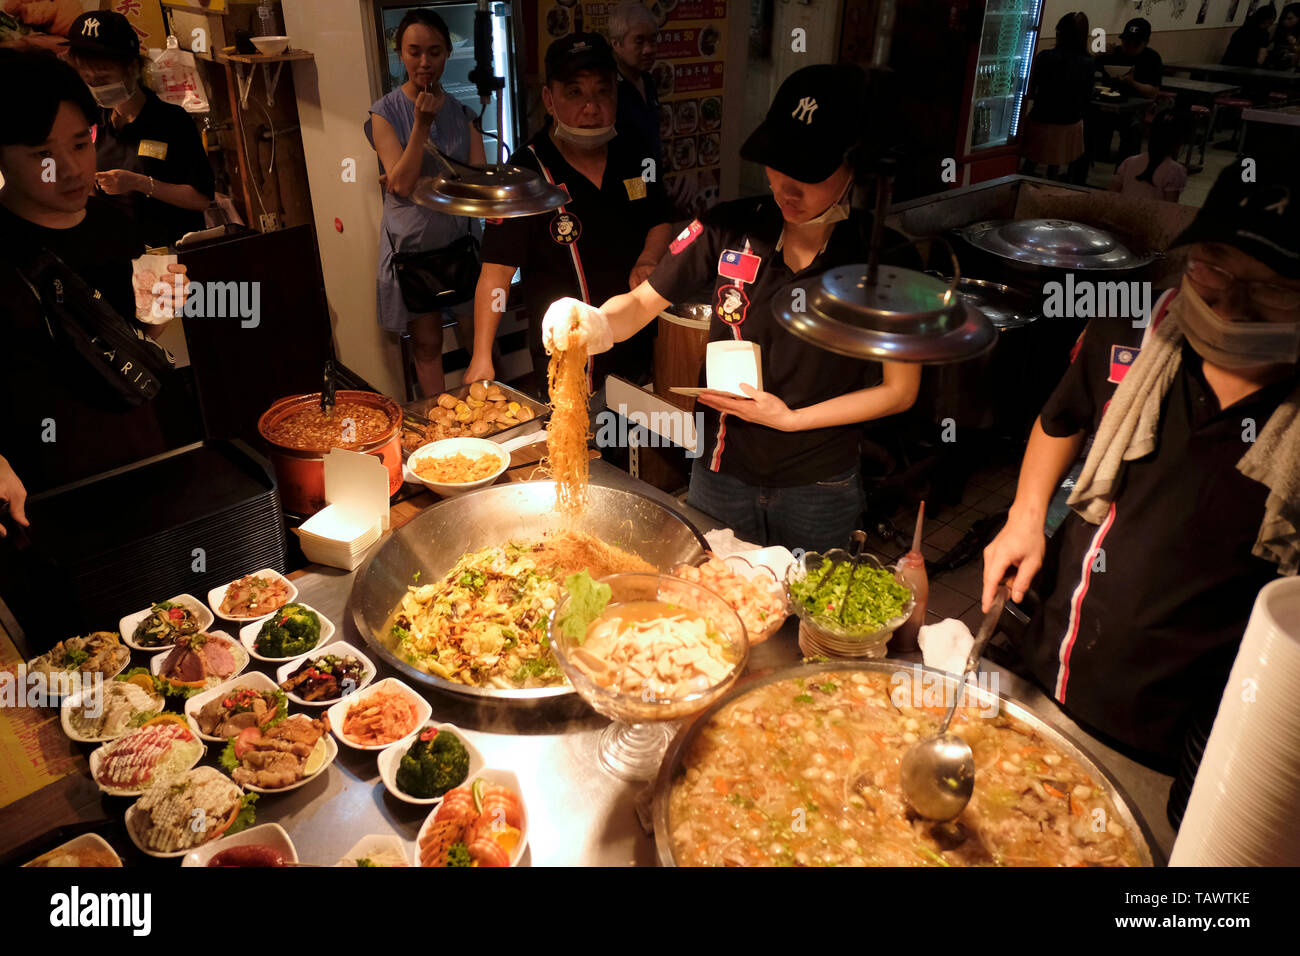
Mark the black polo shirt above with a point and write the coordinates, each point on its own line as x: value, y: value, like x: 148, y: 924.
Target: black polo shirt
x: 722, y: 241
x: 1142, y: 615
x: 1147, y: 65
x: 610, y: 224
x: 164, y: 143
x: 639, y: 115
x: 41, y: 379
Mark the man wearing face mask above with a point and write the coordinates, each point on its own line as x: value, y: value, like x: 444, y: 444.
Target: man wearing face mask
x: 149, y: 153
x: 606, y: 240
x: 1189, y: 498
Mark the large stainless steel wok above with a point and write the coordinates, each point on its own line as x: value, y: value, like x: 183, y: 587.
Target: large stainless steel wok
x: 680, y: 747
x: 520, y: 511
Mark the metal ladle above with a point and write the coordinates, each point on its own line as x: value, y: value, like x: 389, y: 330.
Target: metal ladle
x: 938, y: 773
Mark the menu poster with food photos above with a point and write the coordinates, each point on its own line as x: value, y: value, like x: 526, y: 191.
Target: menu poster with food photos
x: 688, y: 75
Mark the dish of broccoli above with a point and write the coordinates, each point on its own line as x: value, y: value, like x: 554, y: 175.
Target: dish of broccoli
x: 293, y: 630
x: 437, y: 762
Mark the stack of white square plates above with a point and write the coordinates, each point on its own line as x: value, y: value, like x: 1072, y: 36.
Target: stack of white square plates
x: 336, y: 538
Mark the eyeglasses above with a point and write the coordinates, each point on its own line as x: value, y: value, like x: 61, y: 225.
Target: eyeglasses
x: 1265, y: 296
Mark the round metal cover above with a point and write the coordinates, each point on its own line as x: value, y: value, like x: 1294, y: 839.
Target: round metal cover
x: 1005, y: 307
x: 492, y: 192
x: 1053, y: 243
x: 906, y: 316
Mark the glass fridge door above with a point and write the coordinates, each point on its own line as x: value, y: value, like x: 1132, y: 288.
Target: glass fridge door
x: 459, y: 18
x: 1006, y: 51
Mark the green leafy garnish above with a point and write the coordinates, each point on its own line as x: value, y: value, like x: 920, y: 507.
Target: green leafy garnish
x: 140, y: 719
x: 829, y: 687
x: 75, y: 657
x: 247, y: 814
x: 536, y: 667
x: 400, y: 633
x: 804, y: 699
x: 587, y: 601
x: 414, y: 577
x: 364, y: 861
x: 229, y: 762
x: 458, y: 855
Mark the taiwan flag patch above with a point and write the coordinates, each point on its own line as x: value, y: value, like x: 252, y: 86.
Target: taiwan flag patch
x: 741, y: 266
x: 686, y: 236
x: 1122, y: 358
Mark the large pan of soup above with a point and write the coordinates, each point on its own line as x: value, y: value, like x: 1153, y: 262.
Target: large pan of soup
x: 801, y: 768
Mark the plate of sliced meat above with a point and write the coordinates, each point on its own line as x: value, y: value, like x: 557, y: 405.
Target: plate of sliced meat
x: 130, y: 765
x: 199, y: 662
x: 249, y: 700
x: 281, y: 757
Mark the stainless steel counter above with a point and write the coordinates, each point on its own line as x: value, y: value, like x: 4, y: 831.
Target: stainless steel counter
x: 578, y: 814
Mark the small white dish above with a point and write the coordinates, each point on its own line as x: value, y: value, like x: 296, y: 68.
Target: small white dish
x: 254, y: 680
x: 270, y: 46
x: 87, y: 841
x: 504, y: 778
x: 331, y: 752
x: 71, y: 703
x: 236, y: 650
x: 376, y: 844
x: 248, y: 636
x: 390, y: 758
x: 338, y: 649
x: 126, y: 627
x: 133, y: 815
x: 264, y: 834
x: 447, y: 447
x: 218, y: 594
x: 338, y: 712
x: 97, y: 758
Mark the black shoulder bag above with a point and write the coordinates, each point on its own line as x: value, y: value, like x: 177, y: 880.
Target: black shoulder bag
x: 433, y: 279
x: 77, y: 316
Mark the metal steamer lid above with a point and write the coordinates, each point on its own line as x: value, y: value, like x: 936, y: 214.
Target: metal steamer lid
x: 1054, y: 243
x: 904, y: 316
x: 492, y: 192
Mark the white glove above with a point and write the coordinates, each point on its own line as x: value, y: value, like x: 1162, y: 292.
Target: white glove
x: 570, y: 323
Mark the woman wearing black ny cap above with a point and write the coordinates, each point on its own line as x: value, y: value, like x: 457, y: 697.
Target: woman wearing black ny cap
x: 780, y: 466
x: 1189, y: 499
x: 149, y: 153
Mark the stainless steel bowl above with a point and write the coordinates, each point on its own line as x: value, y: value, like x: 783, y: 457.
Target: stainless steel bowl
x: 681, y: 745
x: 432, y: 542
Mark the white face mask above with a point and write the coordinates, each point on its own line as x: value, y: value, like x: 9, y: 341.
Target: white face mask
x: 113, y: 94
x: 584, y: 138
x: 1233, y: 344
x: 837, y: 211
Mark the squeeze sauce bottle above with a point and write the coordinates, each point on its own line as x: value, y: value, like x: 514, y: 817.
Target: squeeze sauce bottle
x: 911, y: 567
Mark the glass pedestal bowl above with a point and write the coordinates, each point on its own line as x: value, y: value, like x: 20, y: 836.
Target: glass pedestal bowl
x: 821, y: 632
x: 643, y: 706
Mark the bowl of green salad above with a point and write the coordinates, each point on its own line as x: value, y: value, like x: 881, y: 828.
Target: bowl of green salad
x: 847, y: 607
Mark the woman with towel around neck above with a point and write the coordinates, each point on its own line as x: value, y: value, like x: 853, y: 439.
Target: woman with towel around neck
x: 1189, y: 498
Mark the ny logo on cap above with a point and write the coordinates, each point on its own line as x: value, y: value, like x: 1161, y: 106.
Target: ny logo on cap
x: 90, y: 28
x: 804, y: 111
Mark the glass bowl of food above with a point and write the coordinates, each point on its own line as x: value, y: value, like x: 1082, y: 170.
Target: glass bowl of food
x: 753, y: 591
x: 848, y: 606
x: 645, y: 650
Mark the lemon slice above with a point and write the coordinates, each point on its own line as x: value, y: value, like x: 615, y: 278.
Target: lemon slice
x: 143, y: 681
x: 315, y: 758
x: 507, y: 838
x: 166, y: 719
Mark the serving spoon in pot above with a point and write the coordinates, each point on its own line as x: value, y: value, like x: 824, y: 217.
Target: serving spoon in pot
x: 938, y: 773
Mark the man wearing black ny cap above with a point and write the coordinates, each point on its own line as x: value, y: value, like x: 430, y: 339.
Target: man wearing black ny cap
x: 782, y: 465
x: 1189, y: 499
x: 149, y: 153
x: 604, y: 241
x: 1140, y: 73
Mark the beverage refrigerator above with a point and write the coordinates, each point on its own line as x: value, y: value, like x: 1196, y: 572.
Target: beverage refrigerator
x: 996, y: 79
x: 459, y: 17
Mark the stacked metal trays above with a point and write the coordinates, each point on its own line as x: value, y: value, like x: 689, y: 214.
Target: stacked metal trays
x: 520, y: 511
x: 680, y: 746
x: 418, y: 411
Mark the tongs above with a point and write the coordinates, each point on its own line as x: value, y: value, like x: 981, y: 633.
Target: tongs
x: 328, y: 387
x: 834, y: 558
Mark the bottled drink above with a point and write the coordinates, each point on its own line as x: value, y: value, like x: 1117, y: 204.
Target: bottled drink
x: 266, y: 21
x: 577, y: 17
x: 911, y: 568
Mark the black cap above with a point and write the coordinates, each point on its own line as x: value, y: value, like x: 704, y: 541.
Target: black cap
x: 1260, y: 218
x: 1138, y: 30
x: 817, y: 115
x: 104, y: 33
x: 577, y: 52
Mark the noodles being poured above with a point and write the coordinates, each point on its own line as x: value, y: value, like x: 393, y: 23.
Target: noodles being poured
x: 569, y: 429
